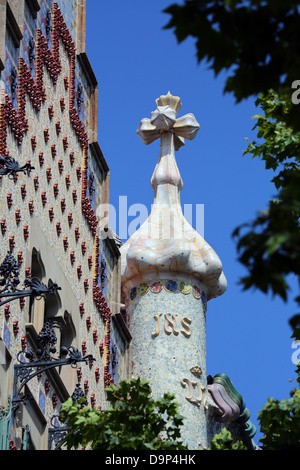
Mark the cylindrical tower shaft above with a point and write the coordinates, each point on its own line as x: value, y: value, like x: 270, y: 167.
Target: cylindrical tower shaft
x: 168, y: 274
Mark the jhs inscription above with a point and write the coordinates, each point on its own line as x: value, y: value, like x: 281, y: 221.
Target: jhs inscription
x: 172, y: 325
x: 201, y: 389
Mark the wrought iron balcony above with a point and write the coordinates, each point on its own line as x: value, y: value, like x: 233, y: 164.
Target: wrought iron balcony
x: 9, y: 282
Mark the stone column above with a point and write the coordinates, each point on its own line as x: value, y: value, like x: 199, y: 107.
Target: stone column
x: 169, y: 348
x: 168, y: 273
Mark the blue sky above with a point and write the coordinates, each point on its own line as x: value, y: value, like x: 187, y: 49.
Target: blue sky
x: 135, y: 61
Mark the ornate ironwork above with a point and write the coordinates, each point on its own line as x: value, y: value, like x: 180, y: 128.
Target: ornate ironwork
x: 103, y: 273
x: 57, y: 433
x: 14, y: 82
x: 31, y: 364
x: 79, y: 395
x: 79, y: 95
x: 31, y: 51
x: 48, y: 24
x: 114, y: 360
x: 9, y: 282
x: 11, y: 167
x: 59, y: 430
x: 91, y: 186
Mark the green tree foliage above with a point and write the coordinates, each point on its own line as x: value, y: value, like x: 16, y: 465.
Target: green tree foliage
x: 224, y: 441
x: 270, y: 249
x: 133, y: 421
x: 280, y: 422
x: 256, y: 43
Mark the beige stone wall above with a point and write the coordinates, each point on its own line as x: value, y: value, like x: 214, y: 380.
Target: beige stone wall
x: 2, y: 32
x: 49, y: 233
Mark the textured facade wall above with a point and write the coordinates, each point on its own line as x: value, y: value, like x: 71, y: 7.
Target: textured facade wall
x: 48, y: 218
x: 167, y: 322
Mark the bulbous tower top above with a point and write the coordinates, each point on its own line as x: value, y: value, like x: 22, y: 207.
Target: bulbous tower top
x: 166, y: 246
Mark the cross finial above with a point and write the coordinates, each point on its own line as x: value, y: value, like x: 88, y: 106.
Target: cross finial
x: 163, y: 119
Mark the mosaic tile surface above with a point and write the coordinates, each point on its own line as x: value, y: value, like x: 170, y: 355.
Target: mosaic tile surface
x: 51, y: 195
x: 117, y: 356
x: 169, y: 340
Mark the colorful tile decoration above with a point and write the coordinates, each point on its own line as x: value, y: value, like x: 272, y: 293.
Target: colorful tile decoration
x: 106, y: 260
x: 45, y: 23
x: 69, y: 12
x: 91, y: 186
x: 168, y: 325
x: 44, y: 120
x: 10, y: 73
x: 117, y: 356
x: 170, y: 286
x: 184, y: 287
x: 81, y: 95
x: 42, y: 401
x: 95, y: 170
x: 6, y: 335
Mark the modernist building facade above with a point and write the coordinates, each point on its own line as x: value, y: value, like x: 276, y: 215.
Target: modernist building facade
x: 48, y: 125
x: 168, y: 275
x: 77, y: 310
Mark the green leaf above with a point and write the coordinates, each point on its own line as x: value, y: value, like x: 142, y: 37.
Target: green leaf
x: 133, y: 421
x: 275, y: 241
x: 224, y: 441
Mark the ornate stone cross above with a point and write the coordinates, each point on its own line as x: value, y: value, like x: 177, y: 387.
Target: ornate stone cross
x: 163, y: 119
x: 168, y: 273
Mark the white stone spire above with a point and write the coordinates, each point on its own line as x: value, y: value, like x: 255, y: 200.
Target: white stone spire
x: 168, y: 272
x: 166, y: 246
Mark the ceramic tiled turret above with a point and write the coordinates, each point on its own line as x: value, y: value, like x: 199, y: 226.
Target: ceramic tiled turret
x: 169, y: 272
